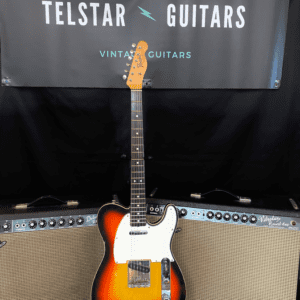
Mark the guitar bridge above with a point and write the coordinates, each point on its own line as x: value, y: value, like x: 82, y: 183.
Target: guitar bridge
x: 138, y: 273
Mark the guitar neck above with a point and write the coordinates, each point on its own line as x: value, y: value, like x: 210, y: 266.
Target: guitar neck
x: 138, y: 192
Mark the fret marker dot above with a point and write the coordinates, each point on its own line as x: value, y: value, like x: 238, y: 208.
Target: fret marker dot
x: 138, y: 196
x: 137, y: 115
x: 134, y: 180
x: 140, y: 180
x: 137, y: 133
x: 137, y: 148
x: 137, y: 205
x: 137, y: 163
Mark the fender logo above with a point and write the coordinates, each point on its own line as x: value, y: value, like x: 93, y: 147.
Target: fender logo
x: 2, y: 244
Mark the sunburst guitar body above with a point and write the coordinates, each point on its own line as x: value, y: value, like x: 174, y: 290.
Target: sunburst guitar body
x: 138, y: 263
x: 149, y: 272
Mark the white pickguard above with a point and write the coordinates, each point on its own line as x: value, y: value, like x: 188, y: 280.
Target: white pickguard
x: 155, y: 245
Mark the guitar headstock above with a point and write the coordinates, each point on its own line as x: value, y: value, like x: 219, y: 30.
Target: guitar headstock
x: 138, y: 66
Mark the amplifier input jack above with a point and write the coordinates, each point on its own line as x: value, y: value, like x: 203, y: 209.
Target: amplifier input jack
x: 23, y: 225
x: 293, y: 223
x: 17, y: 225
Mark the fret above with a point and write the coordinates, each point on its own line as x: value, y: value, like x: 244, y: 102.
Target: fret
x: 136, y: 126
x: 137, y: 200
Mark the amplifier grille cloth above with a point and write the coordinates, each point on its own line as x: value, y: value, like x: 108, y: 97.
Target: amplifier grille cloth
x: 50, y: 265
x: 231, y: 262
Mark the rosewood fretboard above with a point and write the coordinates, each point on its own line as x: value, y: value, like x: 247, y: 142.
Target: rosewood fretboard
x: 138, y: 198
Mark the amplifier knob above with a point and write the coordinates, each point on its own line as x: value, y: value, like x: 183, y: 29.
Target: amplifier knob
x: 52, y: 223
x: 183, y: 212
x: 218, y: 216
x: 32, y: 224
x: 253, y: 219
x: 61, y: 222
x: 80, y: 221
x: 210, y: 214
x: 71, y: 222
x: 235, y: 217
x: 244, y: 218
x: 42, y: 223
x: 6, y: 226
x: 227, y: 217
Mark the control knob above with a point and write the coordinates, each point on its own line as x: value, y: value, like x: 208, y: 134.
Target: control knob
x: 183, y: 212
x: 210, y: 214
x: 244, y: 218
x: 165, y: 297
x: 227, y: 217
x: 32, y: 224
x: 42, y: 223
x: 235, y: 217
x: 52, y: 223
x: 218, y: 216
x: 61, y: 222
x: 80, y: 221
x: 71, y: 222
x: 253, y: 219
x: 6, y: 226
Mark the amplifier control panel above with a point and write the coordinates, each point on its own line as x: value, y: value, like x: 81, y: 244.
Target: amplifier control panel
x: 229, y: 217
x: 49, y: 223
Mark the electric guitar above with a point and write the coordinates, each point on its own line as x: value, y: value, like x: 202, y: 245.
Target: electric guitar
x: 138, y: 263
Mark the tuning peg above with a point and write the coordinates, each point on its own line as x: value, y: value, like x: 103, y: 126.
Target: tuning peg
x: 126, y: 71
x: 128, y: 65
x: 130, y: 57
x: 124, y: 77
x: 133, y: 45
x: 131, y: 51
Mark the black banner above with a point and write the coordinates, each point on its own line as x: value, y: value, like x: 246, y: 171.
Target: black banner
x: 192, y: 44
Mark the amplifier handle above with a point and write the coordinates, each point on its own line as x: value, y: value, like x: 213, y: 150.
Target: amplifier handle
x: 238, y: 198
x: 26, y: 205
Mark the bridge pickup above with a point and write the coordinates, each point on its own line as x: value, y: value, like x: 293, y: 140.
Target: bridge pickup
x: 137, y: 232
x: 138, y: 267
x: 138, y: 273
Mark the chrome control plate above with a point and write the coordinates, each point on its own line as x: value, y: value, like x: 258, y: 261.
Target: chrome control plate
x: 229, y: 217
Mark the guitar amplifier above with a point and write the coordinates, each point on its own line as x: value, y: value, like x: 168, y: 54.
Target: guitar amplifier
x: 224, y: 252
x: 240, y: 252
x: 49, y: 253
